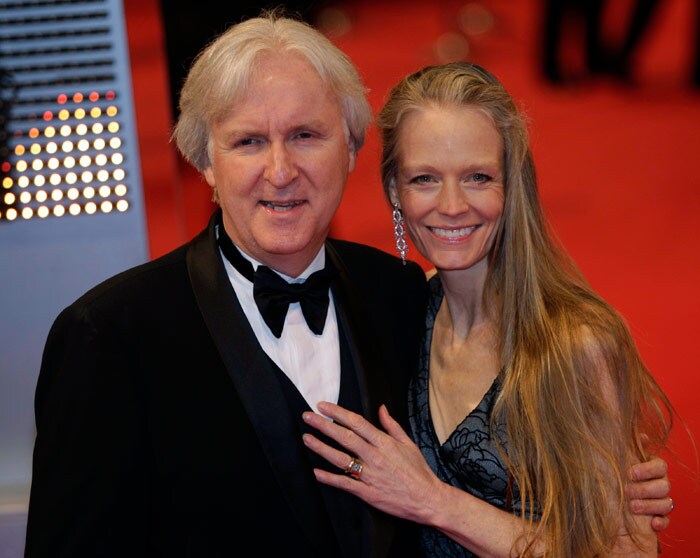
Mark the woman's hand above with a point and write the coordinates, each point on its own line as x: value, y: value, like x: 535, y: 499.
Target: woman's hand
x: 395, y: 477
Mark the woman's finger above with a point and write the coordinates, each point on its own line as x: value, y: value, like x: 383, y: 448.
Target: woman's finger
x: 335, y: 457
x: 352, y: 421
x: 392, y: 427
x: 338, y: 432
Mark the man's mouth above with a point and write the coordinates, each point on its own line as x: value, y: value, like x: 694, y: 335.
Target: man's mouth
x: 281, y: 206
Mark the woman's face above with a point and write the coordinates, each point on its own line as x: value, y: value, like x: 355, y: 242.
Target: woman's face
x: 449, y: 184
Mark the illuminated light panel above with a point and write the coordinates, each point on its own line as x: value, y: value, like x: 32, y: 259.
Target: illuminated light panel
x: 98, y: 168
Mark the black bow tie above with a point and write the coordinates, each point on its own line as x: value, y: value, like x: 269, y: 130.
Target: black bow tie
x: 273, y: 294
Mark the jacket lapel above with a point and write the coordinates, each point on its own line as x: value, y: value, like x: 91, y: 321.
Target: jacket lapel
x: 365, y: 348
x: 258, y: 388
x: 370, y: 365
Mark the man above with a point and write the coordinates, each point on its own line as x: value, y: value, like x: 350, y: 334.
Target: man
x: 168, y: 408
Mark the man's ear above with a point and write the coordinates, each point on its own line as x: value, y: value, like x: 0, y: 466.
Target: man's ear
x: 209, y: 176
x: 352, y: 158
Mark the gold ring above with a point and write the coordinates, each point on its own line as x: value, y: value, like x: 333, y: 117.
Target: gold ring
x: 354, y: 469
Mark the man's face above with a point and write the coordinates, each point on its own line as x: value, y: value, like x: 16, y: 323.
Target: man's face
x: 279, y: 162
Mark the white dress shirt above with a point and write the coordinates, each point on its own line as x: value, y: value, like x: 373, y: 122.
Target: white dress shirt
x: 310, y: 361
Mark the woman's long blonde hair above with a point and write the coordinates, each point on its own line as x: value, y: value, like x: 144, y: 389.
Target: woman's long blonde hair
x: 568, y: 447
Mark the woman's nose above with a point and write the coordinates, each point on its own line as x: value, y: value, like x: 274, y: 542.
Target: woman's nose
x: 452, y: 199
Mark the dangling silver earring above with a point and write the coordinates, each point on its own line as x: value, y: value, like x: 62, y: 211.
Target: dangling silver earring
x: 400, y: 232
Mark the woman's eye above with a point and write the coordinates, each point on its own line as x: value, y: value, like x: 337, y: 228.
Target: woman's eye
x: 480, y: 177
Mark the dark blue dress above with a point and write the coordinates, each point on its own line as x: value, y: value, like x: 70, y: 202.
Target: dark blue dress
x: 468, y: 459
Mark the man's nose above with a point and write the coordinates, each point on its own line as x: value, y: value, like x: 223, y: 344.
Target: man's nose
x: 280, y: 169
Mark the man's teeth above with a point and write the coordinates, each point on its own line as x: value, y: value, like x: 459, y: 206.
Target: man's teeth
x: 281, y: 206
x: 453, y: 233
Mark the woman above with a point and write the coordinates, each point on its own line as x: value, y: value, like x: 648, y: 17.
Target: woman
x: 532, y: 401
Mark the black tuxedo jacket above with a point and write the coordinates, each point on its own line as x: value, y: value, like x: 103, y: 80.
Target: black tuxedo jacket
x: 163, y: 429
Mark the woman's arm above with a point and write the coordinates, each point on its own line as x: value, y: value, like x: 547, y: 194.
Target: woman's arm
x: 396, y: 479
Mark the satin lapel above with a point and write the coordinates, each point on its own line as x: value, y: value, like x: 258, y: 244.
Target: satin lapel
x: 371, y: 366
x: 257, y: 386
x: 365, y: 348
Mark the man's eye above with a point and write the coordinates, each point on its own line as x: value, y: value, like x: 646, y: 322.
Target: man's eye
x: 422, y: 179
x: 304, y: 135
x: 246, y: 141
